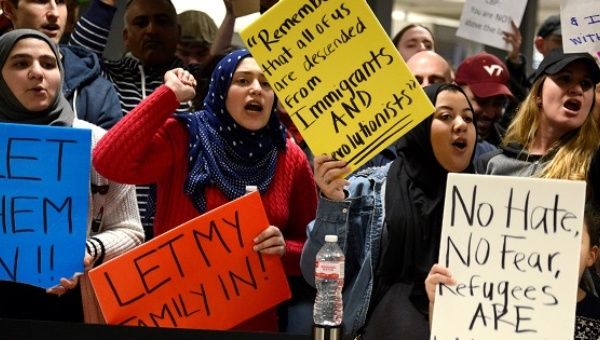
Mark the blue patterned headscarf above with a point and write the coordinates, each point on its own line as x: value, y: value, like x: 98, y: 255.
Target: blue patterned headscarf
x: 221, y: 152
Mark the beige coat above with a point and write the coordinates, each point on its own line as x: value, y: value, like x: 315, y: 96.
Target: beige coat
x: 116, y: 214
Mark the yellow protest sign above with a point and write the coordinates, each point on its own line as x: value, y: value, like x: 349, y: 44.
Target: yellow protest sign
x: 338, y: 75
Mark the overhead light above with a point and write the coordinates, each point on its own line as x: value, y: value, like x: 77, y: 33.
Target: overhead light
x: 399, y: 15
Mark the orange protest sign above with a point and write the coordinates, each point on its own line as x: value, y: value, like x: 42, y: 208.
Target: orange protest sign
x: 202, y: 274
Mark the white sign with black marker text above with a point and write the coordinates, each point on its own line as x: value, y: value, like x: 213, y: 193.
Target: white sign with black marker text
x: 484, y: 21
x: 512, y: 244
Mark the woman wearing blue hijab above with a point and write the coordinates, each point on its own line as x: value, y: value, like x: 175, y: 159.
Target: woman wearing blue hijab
x: 202, y: 160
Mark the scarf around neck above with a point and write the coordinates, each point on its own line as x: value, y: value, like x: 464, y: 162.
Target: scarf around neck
x: 223, y: 153
x: 414, y: 205
x: 58, y: 113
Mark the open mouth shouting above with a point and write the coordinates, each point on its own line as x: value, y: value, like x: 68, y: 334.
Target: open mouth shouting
x: 572, y: 105
x: 460, y: 144
x: 254, y: 106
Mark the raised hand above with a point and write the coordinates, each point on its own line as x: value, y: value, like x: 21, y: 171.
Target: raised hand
x: 514, y: 39
x: 182, y: 83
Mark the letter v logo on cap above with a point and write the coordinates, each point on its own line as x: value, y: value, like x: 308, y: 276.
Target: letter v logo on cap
x: 493, y: 70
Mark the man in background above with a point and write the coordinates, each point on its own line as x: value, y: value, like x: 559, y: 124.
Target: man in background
x: 484, y: 79
x: 429, y: 68
x: 198, y: 32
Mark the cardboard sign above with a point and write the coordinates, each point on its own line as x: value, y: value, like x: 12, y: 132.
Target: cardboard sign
x: 512, y: 244
x: 580, y: 26
x: 44, y: 187
x: 202, y: 274
x: 244, y: 7
x: 338, y: 75
x: 484, y: 21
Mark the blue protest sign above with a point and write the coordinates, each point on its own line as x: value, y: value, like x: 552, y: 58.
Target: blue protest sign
x: 44, y: 185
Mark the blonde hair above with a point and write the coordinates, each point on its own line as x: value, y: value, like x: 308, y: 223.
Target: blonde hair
x: 571, y: 153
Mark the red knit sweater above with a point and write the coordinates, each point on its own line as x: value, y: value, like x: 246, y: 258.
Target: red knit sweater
x: 149, y: 146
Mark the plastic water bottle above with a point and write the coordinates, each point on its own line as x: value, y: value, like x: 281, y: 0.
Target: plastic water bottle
x: 329, y: 280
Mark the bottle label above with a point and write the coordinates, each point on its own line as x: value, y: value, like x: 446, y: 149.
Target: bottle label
x: 329, y: 270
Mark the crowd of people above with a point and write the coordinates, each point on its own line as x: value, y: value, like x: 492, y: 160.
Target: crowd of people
x: 184, y: 122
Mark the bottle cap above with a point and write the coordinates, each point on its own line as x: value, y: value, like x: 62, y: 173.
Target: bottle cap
x: 331, y: 238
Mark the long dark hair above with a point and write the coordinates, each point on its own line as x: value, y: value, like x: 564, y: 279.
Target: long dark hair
x: 404, y: 29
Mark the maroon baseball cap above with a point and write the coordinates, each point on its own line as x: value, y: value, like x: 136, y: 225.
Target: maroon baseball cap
x: 485, y: 74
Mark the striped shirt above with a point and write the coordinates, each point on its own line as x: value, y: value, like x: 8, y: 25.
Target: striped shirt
x: 133, y: 81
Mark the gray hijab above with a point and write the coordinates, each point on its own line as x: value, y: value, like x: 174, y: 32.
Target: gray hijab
x: 59, y: 112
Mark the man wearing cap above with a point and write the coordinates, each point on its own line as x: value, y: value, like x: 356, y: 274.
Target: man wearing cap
x: 548, y: 37
x: 484, y: 78
x: 198, y: 31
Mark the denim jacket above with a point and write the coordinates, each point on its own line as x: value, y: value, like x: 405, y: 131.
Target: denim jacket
x: 358, y: 223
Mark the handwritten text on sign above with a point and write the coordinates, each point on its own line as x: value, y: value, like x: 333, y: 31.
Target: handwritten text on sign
x: 484, y: 21
x: 44, y: 185
x: 202, y: 274
x: 512, y: 244
x: 338, y: 75
x: 580, y: 26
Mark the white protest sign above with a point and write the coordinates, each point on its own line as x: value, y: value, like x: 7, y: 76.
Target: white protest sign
x: 512, y: 244
x: 484, y: 21
x: 580, y: 26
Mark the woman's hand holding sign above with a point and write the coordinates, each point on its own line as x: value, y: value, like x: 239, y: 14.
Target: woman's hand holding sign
x: 270, y: 241
x: 329, y: 177
x: 68, y: 284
